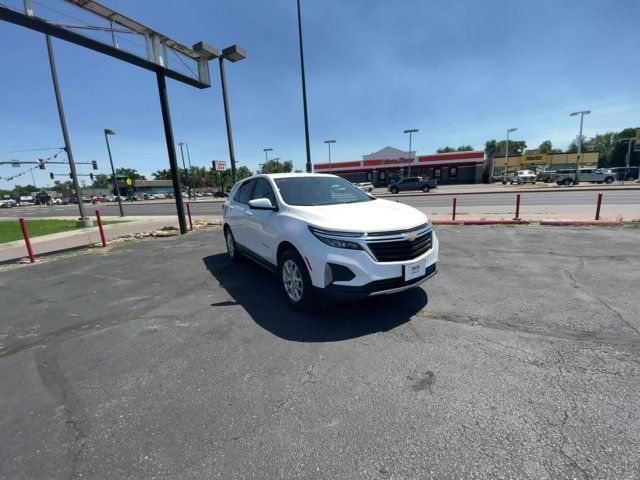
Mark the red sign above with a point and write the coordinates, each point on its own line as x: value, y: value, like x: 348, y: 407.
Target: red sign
x: 219, y: 165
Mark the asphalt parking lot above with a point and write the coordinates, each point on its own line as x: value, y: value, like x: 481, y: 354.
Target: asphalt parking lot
x: 161, y: 359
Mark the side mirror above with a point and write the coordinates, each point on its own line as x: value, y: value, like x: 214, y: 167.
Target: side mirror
x: 261, y: 204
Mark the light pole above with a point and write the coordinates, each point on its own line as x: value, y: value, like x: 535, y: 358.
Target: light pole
x: 266, y: 153
x: 107, y: 132
x: 506, y: 156
x: 234, y: 54
x: 184, y: 166
x: 627, y: 158
x: 186, y: 144
x: 304, y: 93
x: 329, y: 142
x: 582, y: 113
x: 410, y: 132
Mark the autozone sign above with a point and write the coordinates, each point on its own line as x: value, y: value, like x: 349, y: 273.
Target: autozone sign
x: 219, y: 165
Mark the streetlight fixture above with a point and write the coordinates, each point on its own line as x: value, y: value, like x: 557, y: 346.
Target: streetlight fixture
x: 627, y: 158
x: 234, y: 54
x: 582, y: 113
x: 187, y: 171
x: 107, y: 132
x: 266, y: 153
x: 506, y: 156
x: 329, y: 142
x: 410, y: 132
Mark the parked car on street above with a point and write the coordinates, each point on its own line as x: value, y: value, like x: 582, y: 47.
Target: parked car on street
x: 220, y: 194
x: 365, y: 186
x: 148, y: 196
x: 412, y: 183
x: 522, y: 176
x: 547, y: 176
x: 625, y: 173
x: 593, y: 175
x: 160, y: 196
x: 325, y: 237
x: 8, y: 203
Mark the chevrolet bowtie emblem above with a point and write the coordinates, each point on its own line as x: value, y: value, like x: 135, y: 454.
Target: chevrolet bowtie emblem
x: 411, y: 237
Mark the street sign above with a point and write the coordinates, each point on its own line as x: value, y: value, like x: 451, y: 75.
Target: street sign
x: 637, y: 147
x: 219, y: 165
x: 15, y: 163
x: 129, y: 182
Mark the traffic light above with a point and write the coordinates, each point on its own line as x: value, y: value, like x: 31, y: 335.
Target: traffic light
x: 91, y: 176
x: 51, y: 175
x: 41, y: 164
x: 94, y: 164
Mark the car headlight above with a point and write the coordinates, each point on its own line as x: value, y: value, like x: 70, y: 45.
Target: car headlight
x: 337, y: 239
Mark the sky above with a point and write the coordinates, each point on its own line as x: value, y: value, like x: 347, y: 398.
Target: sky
x: 462, y: 72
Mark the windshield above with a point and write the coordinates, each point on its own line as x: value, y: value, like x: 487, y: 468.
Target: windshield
x: 305, y: 191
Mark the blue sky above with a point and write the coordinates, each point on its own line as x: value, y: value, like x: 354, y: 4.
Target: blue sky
x: 462, y: 72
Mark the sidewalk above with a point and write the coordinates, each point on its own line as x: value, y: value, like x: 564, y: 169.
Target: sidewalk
x: 60, y: 242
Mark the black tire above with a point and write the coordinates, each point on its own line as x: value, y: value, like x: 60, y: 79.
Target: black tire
x: 232, y: 247
x: 394, y: 190
x: 307, y: 300
x: 608, y: 180
x: 533, y: 183
x: 566, y: 181
x: 425, y: 189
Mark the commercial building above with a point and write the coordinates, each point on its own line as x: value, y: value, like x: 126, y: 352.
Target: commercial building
x: 391, y: 164
x: 542, y: 162
x: 146, y: 186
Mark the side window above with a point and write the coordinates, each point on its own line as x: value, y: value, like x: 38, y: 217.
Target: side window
x: 453, y: 172
x: 263, y: 190
x: 438, y: 173
x: 244, y: 192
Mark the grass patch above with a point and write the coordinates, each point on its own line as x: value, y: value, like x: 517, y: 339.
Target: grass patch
x: 10, y: 229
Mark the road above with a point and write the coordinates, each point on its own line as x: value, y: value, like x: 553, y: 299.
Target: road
x: 162, y: 359
x: 618, y: 202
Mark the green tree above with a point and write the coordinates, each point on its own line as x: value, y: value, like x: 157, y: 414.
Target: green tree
x: 243, y: 172
x: 102, y: 180
x: 494, y: 148
x: 546, y: 148
x: 464, y: 148
x: 162, y: 174
x: 273, y: 166
x: 445, y: 150
x: 24, y: 190
x: 59, y: 186
x: 131, y: 173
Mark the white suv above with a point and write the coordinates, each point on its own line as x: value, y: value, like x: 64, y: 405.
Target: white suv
x: 324, y: 236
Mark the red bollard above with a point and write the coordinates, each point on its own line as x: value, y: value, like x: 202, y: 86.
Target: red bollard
x: 189, y: 212
x: 25, y: 234
x: 517, y: 217
x: 453, y: 217
x: 104, y: 240
x: 598, y: 206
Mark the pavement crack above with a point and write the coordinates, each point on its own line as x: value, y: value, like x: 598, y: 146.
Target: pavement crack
x: 71, y: 407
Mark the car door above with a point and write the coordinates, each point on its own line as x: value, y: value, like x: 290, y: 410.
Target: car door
x: 263, y: 237
x: 238, y: 213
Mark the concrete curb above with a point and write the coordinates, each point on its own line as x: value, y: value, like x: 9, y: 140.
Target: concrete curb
x: 574, y: 223
x: 495, y: 222
x: 446, y: 222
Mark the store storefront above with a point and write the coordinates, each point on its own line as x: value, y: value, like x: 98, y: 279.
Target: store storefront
x: 391, y: 164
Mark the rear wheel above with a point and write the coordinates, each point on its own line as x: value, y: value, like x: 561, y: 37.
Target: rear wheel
x: 608, y: 180
x: 394, y: 190
x: 566, y: 181
x: 295, y: 281
x: 425, y: 189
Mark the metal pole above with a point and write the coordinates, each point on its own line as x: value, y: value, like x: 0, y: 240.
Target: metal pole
x: 329, y: 143
x: 186, y: 171
x: 171, y: 148
x: 227, y: 118
x: 113, y: 172
x: 506, y: 160
x: 27, y: 241
x: 186, y: 144
x: 304, y: 93
x: 65, y: 134
x: 410, y: 157
x: 578, y: 160
x: 627, y: 161
x: 36, y: 187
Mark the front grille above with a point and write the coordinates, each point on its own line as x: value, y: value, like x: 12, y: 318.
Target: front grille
x: 400, y: 250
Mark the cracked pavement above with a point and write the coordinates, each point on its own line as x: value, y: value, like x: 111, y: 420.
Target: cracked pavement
x: 161, y: 360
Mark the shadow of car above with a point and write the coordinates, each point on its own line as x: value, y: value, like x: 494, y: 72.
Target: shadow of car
x: 258, y: 292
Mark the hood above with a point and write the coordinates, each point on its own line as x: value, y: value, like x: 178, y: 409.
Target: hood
x: 376, y: 216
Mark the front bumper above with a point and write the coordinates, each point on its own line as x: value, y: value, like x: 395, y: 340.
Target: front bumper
x: 377, y: 287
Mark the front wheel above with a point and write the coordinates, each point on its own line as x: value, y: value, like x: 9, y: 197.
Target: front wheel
x: 608, y: 180
x: 394, y: 190
x: 425, y: 189
x: 295, y: 281
x: 232, y: 248
x: 566, y: 181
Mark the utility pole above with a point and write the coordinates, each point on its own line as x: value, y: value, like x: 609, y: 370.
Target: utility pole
x: 582, y: 113
x: 187, y: 171
x: 410, y: 132
x: 83, y: 221
x: 189, y: 160
x: 108, y: 132
x: 506, y: 156
x: 304, y: 93
x: 329, y: 142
